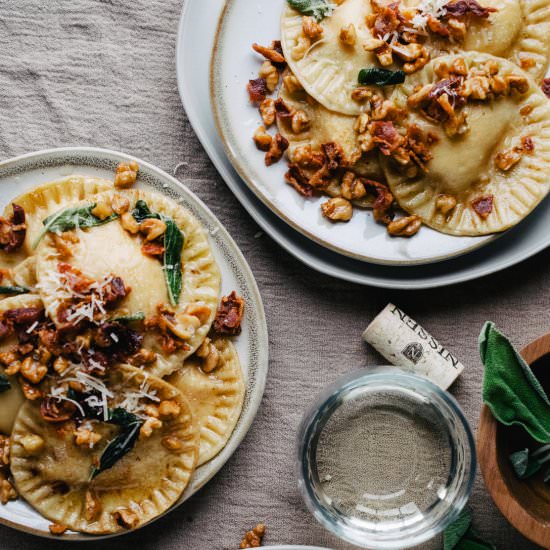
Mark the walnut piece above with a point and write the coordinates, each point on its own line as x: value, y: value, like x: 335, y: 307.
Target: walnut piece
x: 445, y: 203
x: 405, y: 227
x: 169, y: 408
x: 300, y: 122
x: 149, y: 426
x: 348, y: 35
x: 57, y: 529
x: 152, y: 229
x: 271, y: 75
x: 92, y: 505
x: 278, y: 146
x: 7, y: 490
x: 84, y: 437
x: 311, y: 28
x: 33, y: 371
x: 210, y: 356
x: 126, y: 518
x: 337, y: 209
x: 126, y: 174
x: 273, y: 53
x: 253, y: 538
x: 268, y: 112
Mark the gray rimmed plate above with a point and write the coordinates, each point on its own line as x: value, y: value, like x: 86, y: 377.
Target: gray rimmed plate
x: 233, y: 64
x: 21, y: 173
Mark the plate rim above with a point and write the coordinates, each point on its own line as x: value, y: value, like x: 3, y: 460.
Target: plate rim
x: 256, y: 188
x: 308, y: 253
x: 263, y: 335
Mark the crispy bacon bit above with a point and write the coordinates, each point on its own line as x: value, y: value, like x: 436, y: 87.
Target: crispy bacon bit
x: 387, y: 20
x: 229, y: 315
x: 335, y: 155
x: 527, y: 144
x: 76, y: 280
x: 276, y: 151
x: 282, y: 109
x: 546, y: 87
x: 57, y: 411
x: 117, y: 340
x: 298, y: 179
x: 273, y: 53
x: 155, y: 250
x: 461, y: 8
x: 449, y: 86
x: 13, y: 231
x: 386, y: 136
x: 383, y: 202
x: 483, y: 206
x: 114, y: 291
x: 257, y: 90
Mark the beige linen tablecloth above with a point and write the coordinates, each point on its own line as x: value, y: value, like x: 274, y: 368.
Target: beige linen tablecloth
x: 102, y: 73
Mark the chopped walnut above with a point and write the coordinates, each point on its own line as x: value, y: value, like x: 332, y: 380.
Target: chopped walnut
x: 311, y: 28
x: 300, y: 122
x: 362, y: 94
x: 253, y: 538
x: 4, y: 452
x: 57, y: 529
x: 102, y: 210
x: 405, y: 227
x: 262, y: 139
x: 62, y: 243
x: 381, y: 49
x: 8, y: 357
x: 268, y: 112
x: 126, y: 174
x: 210, y: 356
x: 32, y: 393
x: 142, y: 357
x: 152, y: 229
x: 337, y: 209
x: 32, y: 370
x: 302, y: 46
x: 84, y: 437
x: 169, y: 408
x: 298, y: 179
x: 149, y: 426
x: 348, y: 35
x: 276, y: 150
x: 92, y: 505
x: 172, y: 443
x: 291, y: 83
x: 32, y: 443
x: 519, y: 83
x: 126, y: 518
x: 445, y: 203
x: 283, y: 110
x: 271, y: 75
x: 14, y: 368
x: 352, y: 187
x: 361, y: 123
x: 305, y: 157
x: 506, y: 160
x: 7, y: 490
x: 120, y: 204
x: 273, y: 53
x: 129, y: 223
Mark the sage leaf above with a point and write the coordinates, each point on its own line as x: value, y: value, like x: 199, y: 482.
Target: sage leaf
x: 524, y: 465
x: 13, y: 290
x: 142, y: 212
x: 457, y: 529
x: 4, y: 383
x: 72, y: 218
x: 123, y: 443
x: 510, y: 389
x: 319, y: 9
x: 134, y: 317
x: 173, y: 246
x: 380, y: 77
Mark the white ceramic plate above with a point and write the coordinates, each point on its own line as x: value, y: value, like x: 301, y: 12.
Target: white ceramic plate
x: 233, y: 65
x: 21, y: 173
x: 196, y: 26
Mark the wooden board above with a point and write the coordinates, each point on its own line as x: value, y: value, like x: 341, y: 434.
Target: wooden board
x: 525, y: 504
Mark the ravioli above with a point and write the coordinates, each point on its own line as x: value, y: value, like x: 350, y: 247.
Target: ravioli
x: 216, y: 399
x: 111, y: 250
x: 328, y: 71
x: 12, y: 399
x: 466, y: 169
x: 143, y: 484
x: 325, y: 127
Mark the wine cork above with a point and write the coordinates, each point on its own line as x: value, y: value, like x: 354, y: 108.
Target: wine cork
x: 404, y: 343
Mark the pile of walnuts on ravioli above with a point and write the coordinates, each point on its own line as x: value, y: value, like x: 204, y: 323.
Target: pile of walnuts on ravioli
x: 118, y: 377
x: 342, y: 87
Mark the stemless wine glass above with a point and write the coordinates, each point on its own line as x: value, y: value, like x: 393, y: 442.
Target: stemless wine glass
x: 386, y: 459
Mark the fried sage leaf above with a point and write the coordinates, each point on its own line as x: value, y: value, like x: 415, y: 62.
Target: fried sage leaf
x: 4, y: 383
x: 72, y: 218
x: 133, y: 318
x: 173, y: 246
x: 380, y: 77
x: 319, y: 9
x: 14, y: 290
x: 123, y: 443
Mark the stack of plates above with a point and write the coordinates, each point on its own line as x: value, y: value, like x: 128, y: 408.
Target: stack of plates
x: 220, y: 68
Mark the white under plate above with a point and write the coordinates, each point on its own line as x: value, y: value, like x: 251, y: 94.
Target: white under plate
x: 196, y: 25
x: 22, y: 173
